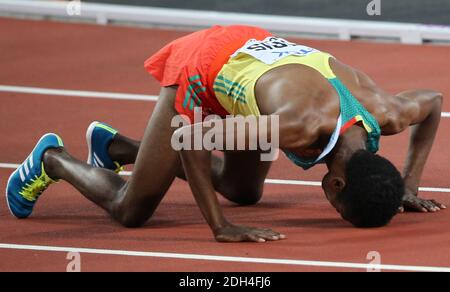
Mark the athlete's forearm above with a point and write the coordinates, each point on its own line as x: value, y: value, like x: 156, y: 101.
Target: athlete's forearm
x: 421, y: 141
x: 197, y: 167
x: 195, y: 143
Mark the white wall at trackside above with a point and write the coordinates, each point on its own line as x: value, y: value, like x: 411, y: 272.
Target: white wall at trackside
x: 319, y: 27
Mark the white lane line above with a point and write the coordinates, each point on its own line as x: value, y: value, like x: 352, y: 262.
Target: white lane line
x: 268, y: 181
x: 183, y: 256
x: 92, y: 94
x: 76, y: 93
x: 293, y: 182
x: 9, y: 165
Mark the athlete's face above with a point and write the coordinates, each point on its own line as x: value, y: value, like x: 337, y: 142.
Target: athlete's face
x: 332, y: 185
x: 334, y: 181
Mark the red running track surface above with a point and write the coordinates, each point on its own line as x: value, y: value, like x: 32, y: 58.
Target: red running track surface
x: 109, y: 58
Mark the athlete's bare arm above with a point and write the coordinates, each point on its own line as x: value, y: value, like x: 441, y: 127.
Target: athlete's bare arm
x: 421, y: 111
x: 197, y: 166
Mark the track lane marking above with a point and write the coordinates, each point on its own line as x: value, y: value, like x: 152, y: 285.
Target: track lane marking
x: 77, y: 93
x: 187, y: 256
x: 92, y: 94
x: 268, y: 181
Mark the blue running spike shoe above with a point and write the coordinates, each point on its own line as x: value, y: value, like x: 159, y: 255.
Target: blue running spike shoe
x: 29, y: 181
x: 99, y: 136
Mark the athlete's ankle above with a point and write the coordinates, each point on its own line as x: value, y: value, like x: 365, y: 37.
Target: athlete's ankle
x: 51, y: 160
x: 123, y: 150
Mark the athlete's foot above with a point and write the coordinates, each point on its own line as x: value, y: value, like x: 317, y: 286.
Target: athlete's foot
x: 30, y: 180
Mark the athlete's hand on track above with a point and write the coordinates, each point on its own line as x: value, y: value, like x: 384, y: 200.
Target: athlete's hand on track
x: 413, y: 203
x: 234, y: 233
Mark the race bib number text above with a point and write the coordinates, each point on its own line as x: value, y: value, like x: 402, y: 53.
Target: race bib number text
x: 272, y: 49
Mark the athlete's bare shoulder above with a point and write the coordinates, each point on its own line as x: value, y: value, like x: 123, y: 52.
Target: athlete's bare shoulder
x: 394, y: 113
x: 307, y: 105
x: 382, y: 105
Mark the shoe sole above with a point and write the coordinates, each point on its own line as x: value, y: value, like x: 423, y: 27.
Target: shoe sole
x: 6, y: 193
x: 14, y: 172
x: 89, y: 132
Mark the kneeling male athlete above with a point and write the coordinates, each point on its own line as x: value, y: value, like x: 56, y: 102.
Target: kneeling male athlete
x: 328, y: 113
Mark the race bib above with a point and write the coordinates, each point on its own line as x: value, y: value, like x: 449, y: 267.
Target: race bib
x: 272, y: 49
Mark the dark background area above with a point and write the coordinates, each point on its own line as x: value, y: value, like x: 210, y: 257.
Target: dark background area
x: 412, y: 11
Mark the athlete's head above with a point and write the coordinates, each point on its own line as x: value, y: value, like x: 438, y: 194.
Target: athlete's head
x: 371, y: 192
x: 366, y: 189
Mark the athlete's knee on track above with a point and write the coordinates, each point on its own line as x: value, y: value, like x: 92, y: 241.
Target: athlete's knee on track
x: 243, y: 195
x: 130, y: 216
x: 131, y: 221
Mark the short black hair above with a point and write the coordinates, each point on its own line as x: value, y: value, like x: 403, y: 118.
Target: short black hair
x: 373, y: 192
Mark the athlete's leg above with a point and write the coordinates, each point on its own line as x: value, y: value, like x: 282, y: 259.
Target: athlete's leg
x: 124, y: 150
x: 130, y: 203
x: 238, y: 176
x: 242, y: 177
